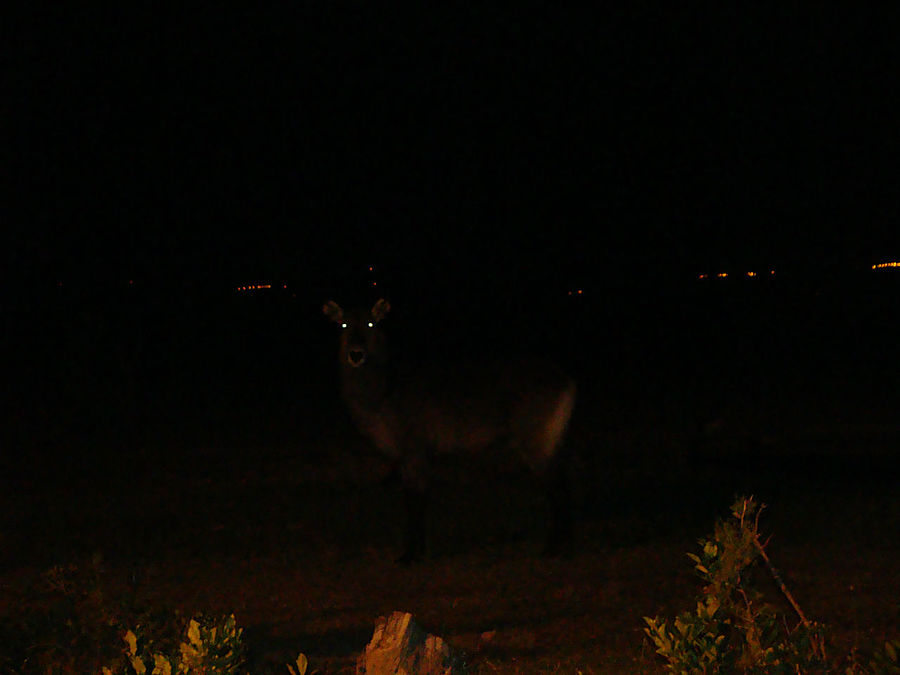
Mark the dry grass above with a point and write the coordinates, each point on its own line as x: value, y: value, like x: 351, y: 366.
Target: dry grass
x: 299, y: 543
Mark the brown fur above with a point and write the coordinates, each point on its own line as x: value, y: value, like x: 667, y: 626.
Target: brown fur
x: 520, y: 408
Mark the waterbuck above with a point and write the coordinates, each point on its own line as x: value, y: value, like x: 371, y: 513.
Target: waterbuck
x: 521, y: 406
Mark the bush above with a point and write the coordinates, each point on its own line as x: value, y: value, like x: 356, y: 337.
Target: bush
x: 210, y: 646
x: 734, y: 628
x: 66, y: 624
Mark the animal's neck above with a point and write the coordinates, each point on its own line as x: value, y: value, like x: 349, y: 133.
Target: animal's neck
x: 364, y: 389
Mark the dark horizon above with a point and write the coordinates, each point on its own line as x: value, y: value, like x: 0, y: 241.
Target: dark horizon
x: 580, y: 148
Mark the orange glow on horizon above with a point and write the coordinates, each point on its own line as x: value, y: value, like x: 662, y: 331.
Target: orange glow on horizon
x: 725, y: 275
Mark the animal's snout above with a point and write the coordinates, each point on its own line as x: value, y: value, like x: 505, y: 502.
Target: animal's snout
x: 356, y: 357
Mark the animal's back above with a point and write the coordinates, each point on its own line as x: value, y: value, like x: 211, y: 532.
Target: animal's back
x: 524, y: 405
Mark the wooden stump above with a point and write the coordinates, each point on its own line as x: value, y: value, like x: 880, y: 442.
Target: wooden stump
x: 400, y: 646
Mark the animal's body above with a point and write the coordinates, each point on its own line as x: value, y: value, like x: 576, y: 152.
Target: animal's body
x: 520, y: 408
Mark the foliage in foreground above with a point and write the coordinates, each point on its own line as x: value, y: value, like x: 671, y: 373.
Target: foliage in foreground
x: 211, y: 646
x: 67, y: 625
x: 734, y: 629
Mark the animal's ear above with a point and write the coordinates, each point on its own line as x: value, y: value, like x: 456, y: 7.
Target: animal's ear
x: 333, y: 311
x: 380, y: 309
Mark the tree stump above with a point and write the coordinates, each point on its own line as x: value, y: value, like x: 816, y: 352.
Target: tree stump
x: 400, y: 646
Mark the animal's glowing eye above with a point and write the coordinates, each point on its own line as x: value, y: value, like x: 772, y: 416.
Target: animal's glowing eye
x: 371, y: 325
x: 344, y: 324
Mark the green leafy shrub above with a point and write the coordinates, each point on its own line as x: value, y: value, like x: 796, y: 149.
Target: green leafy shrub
x: 66, y: 623
x: 734, y: 628
x: 210, y: 646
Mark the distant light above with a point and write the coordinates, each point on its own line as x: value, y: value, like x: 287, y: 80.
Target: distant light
x: 885, y: 265
x: 751, y: 274
x: 703, y: 276
x: 722, y: 275
x: 772, y: 272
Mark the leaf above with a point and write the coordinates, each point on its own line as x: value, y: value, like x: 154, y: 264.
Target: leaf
x: 193, y: 632
x: 131, y: 639
x: 138, y: 665
x: 302, y: 665
x: 161, y: 665
x: 189, y: 654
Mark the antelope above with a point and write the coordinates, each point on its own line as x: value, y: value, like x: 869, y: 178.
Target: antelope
x: 521, y: 406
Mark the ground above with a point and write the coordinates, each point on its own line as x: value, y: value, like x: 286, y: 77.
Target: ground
x: 210, y: 467
x: 298, y: 541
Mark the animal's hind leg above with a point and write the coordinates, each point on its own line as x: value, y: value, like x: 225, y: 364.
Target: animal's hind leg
x: 559, y: 539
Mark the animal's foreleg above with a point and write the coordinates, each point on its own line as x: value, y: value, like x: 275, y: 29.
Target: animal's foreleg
x: 414, y: 477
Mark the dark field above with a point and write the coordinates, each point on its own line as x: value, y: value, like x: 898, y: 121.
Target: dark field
x: 201, y: 448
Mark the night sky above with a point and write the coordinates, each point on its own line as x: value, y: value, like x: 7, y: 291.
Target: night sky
x: 550, y: 144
